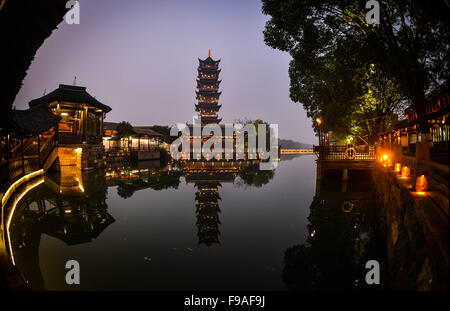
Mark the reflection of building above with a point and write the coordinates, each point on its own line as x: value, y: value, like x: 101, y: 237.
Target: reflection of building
x: 207, y: 179
x: 141, y: 175
x: 207, y: 209
x: 70, y: 207
x: 74, y: 210
x: 208, y: 90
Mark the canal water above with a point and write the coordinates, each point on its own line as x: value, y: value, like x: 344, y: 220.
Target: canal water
x: 132, y: 228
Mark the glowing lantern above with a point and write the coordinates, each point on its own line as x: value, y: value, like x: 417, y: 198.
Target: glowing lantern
x: 421, y: 184
x: 385, y: 160
x: 405, y: 171
x: 398, y: 167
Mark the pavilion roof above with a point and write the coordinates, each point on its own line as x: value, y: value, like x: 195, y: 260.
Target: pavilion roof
x: 33, y: 120
x: 110, y: 125
x: 70, y: 93
x: 138, y: 130
x: 145, y: 131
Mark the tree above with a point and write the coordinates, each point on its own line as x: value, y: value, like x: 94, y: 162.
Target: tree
x: 379, y: 108
x: 410, y: 44
x: 251, y: 175
x: 255, y: 123
x: 124, y: 129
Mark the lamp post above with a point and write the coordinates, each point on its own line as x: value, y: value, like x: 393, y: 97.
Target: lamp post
x: 318, y: 121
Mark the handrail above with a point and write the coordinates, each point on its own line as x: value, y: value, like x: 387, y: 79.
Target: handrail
x: 337, y: 152
x: 26, y: 143
x: 46, y: 148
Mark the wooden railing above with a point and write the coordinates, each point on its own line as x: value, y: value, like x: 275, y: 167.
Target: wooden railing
x: 22, y: 146
x: 70, y: 139
x: 128, y: 149
x: 47, y: 147
x: 330, y: 152
x: 29, y: 159
x: 19, y: 166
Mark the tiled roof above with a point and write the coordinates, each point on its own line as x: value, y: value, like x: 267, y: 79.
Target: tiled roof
x: 70, y: 93
x: 33, y: 121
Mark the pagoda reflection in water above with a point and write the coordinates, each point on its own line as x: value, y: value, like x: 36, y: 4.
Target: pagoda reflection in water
x: 208, y: 177
x: 207, y: 209
x: 207, y: 199
x: 71, y: 206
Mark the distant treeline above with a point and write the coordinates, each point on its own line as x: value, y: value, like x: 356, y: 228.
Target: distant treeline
x: 291, y: 144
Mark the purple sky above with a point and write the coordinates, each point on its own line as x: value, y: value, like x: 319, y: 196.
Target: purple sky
x: 140, y: 58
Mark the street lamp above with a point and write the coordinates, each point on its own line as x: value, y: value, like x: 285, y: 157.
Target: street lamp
x: 318, y: 121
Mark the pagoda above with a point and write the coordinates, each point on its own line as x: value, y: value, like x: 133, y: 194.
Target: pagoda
x: 208, y: 90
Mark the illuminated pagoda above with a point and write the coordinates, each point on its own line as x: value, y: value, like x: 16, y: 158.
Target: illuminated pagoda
x: 208, y: 210
x: 208, y: 90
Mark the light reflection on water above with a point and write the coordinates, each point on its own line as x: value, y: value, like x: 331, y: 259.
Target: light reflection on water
x: 166, y: 229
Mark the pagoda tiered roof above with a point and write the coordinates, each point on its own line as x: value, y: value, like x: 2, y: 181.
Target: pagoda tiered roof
x: 209, y: 61
x: 208, y: 93
x: 210, y: 106
x: 211, y: 120
x: 208, y: 98
x: 208, y: 70
x: 209, y: 81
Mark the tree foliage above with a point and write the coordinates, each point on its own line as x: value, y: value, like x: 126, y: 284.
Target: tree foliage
x: 332, y: 49
x: 124, y: 129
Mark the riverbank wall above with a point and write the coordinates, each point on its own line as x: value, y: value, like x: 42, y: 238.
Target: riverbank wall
x: 417, y: 226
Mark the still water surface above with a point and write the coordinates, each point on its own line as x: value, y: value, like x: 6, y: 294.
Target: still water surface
x: 169, y: 230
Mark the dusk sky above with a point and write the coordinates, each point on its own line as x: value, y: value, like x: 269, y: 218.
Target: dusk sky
x: 141, y: 57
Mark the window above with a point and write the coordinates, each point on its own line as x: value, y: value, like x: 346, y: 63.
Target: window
x: 65, y: 127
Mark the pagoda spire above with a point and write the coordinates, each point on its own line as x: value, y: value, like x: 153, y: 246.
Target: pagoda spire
x: 209, y: 52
